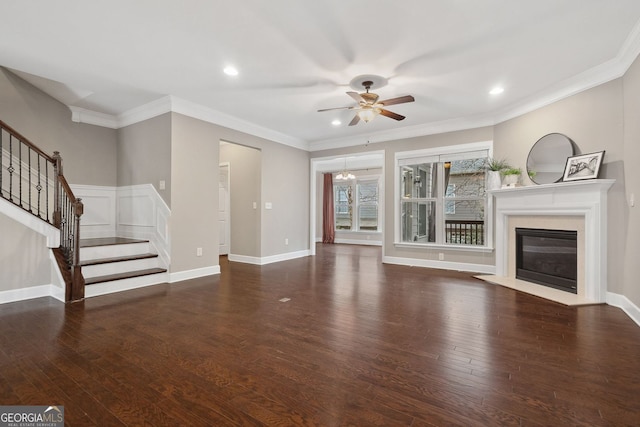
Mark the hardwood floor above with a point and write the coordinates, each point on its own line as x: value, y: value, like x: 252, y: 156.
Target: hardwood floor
x: 358, y: 343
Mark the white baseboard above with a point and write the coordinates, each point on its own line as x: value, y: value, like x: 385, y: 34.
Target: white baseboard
x: 32, y: 292
x: 179, y: 276
x: 428, y: 263
x: 624, y: 303
x: 270, y: 259
x: 358, y: 242
x: 354, y: 242
x: 245, y: 259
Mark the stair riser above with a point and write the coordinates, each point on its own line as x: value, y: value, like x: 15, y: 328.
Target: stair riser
x: 125, y: 285
x: 111, y: 251
x: 89, y: 271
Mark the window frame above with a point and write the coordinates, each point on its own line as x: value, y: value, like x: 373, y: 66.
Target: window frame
x: 425, y: 156
x: 355, y: 220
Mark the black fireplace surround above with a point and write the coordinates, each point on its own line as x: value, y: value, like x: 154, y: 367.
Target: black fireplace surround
x: 548, y: 257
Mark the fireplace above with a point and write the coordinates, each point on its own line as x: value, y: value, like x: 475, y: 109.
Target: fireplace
x: 548, y: 257
x: 579, y: 206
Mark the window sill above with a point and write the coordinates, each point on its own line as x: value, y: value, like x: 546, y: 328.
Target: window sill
x: 371, y: 233
x: 460, y: 248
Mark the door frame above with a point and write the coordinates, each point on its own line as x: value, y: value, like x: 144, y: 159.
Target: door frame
x: 228, y: 204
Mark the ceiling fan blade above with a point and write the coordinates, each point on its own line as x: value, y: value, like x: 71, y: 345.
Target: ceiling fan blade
x: 398, y: 100
x: 337, y: 108
x: 356, y: 96
x: 391, y: 114
x: 355, y: 120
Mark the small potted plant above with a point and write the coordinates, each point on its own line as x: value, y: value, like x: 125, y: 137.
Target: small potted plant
x: 510, y: 176
x: 494, y: 167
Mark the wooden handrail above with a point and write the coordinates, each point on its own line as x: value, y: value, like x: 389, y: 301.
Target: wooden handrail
x: 28, y: 175
x: 26, y: 141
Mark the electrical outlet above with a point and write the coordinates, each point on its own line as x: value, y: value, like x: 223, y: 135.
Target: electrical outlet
x: 286, y: 242
x: 198, y: 251
x: 441, y: 256
x: 163, y: 184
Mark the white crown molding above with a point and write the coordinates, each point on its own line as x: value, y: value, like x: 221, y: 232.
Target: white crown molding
x: 173, y: 104
x: 405, y: 132
x: 209, y: 115
x: 595, y: 76
x: 90, y: 117
x: 603, y: 73
x: 145, y: 112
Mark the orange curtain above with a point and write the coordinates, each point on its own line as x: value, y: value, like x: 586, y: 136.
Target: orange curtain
x: 328, y: 215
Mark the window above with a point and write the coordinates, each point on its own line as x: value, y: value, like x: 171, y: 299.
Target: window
x: 343, y: 200
x: 359, y: 213
x: 449, y: 206
x: 442, y: 196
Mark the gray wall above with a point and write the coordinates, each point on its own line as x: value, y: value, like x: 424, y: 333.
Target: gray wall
x: 24, y: 256
x: 602, y: 118
x: 194, y: 194
x: 245, y: 166
x: 390, y: 192
x: 285, y: 183
x: 144, y: 154
x: 194, y: 169
x: 593, y: 119
x: 89, y: 157
x: 88, y: 152
x: 629, y: 246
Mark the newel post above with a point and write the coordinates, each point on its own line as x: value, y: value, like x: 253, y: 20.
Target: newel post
x: 77, y: 286
x: 57, y: 211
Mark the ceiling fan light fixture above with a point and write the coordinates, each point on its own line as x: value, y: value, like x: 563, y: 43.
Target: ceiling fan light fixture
x: 367, y: 114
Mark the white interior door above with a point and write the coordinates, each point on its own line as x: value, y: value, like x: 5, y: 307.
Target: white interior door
x: 223, y: 209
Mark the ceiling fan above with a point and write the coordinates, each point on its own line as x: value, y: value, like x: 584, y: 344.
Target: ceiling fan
x: 368, y: 105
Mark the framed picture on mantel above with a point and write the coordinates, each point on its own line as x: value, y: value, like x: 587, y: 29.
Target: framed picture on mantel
x: 584, y: 166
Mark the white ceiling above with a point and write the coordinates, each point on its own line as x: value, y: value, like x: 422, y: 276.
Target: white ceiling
x: 298, y: 56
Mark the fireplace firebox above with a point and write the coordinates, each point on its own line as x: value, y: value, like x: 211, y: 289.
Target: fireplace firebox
x: 548, y: 257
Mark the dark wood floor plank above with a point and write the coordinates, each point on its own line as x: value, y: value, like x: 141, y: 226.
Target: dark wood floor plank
x: 358, y: 343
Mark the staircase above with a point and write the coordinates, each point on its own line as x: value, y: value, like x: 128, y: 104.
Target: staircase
x: 33, y: 183
x: 116, y: 263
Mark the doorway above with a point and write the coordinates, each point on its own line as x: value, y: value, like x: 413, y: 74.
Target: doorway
x: 224, y: 206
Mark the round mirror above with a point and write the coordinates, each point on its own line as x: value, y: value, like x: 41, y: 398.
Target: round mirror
x: 548, y: 157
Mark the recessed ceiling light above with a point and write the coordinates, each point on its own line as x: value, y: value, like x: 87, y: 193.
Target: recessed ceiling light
x: 230, y: 71
x: 336, y: 122
x: 496, y: 90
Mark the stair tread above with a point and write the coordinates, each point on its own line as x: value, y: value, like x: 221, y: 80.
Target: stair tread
x: 127, y: 275
x: 108, y: 241
x: 98, y: 261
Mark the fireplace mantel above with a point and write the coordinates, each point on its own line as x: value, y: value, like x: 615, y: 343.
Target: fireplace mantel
x: 585, y: 199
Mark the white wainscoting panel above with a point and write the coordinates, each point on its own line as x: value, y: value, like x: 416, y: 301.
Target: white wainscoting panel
x: 134, y: 211
x: 99, y: 218
x: 142, y: 214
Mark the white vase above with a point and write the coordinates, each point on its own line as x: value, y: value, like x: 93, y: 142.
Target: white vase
x: 494, y: 182
x: 510, y: 180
